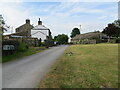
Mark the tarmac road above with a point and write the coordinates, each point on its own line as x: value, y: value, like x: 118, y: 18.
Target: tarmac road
x: 27, y: 72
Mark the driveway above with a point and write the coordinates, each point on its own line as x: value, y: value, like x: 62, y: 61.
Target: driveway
x: 27, y: 72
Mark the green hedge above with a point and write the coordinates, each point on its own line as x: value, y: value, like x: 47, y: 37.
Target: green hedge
x: 22, y: 47
x: 117, y: 40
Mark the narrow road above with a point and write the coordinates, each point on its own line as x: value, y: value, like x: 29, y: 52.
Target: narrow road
x: 27, y: 72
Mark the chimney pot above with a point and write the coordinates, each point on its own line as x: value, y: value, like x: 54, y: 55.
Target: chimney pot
x: 27, y: 21
x: 39, y: 22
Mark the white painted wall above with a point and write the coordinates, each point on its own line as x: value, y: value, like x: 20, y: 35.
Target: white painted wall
x: 39, y: 34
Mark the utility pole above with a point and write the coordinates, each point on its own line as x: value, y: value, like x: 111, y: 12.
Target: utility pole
x: 119, y: 10
x: 11, y: 30
x: 80, y: 28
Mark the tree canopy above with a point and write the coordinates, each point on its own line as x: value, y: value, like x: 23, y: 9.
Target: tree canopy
x: 113, y: 29
x: 61, y: 38
x: 3, y: 26
x: 75, y: 32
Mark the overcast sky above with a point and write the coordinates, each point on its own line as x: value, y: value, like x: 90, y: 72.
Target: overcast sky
x: 61, y: 17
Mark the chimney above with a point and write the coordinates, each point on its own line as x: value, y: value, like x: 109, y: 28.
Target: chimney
x: 27, y: 21
x: 39, y: 22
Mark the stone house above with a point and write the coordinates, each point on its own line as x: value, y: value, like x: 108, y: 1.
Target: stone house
x: 25, y: 29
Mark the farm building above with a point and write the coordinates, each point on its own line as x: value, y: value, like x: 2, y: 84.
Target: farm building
x: 91, y: 37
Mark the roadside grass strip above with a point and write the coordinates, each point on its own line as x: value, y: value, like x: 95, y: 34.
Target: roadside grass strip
x: 18, y: 55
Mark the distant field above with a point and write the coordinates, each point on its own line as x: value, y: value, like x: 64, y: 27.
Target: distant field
x: 90, y: 66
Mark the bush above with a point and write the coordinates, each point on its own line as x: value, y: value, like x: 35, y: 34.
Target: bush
x: 117, y: 40
x: 22, y: 46
x: 42, y: 44
x: 84, y: 41
x: 112, y: 41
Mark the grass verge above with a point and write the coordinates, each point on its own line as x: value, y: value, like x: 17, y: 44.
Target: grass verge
x: 18, y: 55
x: 90, y: 66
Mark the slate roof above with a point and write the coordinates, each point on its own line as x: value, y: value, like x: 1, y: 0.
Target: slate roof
x: 90, y: 35
x: 40, y: 27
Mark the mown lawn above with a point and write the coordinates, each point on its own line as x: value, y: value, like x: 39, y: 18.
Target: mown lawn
x: 17, y: 55
x: 90, y: 66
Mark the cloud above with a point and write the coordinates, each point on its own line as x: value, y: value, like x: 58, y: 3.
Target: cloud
x: 60, y: 17
x: 59, y: 1
x: 12, y: 14
x: 119, y: 9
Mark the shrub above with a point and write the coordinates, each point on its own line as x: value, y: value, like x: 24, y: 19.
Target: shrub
x: 42, y: 44
x: 112, y: 41
x: 22, y: 46
x: 70, y: 43
x: 117, y: 40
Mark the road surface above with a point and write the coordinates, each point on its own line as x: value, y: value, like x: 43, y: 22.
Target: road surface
x: 27, y: 72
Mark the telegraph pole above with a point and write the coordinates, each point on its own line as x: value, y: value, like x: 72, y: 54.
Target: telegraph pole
x: 119, y: 10
x: 80, y: 28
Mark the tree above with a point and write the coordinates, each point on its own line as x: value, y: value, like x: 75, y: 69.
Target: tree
x: 61, y: 38
x: 113, y: 29
x: 75, y: 32
x: 117, y: 34
x: 55, y: 38
x: 3, y: 26
x: 117, y: 24
x: 110, y: 29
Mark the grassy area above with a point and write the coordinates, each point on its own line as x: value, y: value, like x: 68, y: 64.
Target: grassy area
x: 90, y: 66
x: 17, y: 55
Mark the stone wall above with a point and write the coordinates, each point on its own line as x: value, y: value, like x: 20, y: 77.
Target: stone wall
x: 29, y: 41
x: 9, y: 47
x: 86, y: 41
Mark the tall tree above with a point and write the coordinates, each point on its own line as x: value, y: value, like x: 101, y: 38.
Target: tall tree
x: 61, y: 38
x: 74, y: 32
x: 113, y: 29
x: 110, y: 29
x: 117, y: 25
